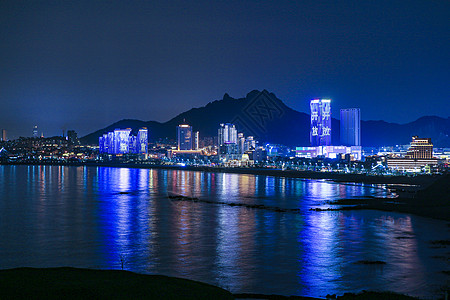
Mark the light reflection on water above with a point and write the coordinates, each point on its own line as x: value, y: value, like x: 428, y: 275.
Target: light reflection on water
x: 93, y: 217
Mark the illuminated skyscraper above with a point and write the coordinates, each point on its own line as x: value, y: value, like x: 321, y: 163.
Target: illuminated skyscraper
x: 121, y: 141
x: 241, y: 143
x: 350, y: 127
x: 3, y: 135
x: 110, y: 142
x: 196, y: 140
x: 227, y: 139
x: 184, y: 137
x: 320, y: 134
x: 142, y: 141
x: 35, y: 131
x: 227, y: 134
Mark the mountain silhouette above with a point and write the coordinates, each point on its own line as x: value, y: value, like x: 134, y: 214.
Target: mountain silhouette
x: 262, y: 115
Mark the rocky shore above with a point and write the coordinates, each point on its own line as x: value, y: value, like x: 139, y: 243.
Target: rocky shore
x: 432, y: 201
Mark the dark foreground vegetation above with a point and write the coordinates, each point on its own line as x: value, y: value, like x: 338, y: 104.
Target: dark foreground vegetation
x: 74, y: 283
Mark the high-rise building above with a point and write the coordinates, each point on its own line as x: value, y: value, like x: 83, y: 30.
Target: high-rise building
x: 72, y: 137
x: 241, y: 143
x: 320, y: 134
x: 184, y: 137
x: 121, y: 141
x: 196, y: 140
x: 227, y: 139
x: 420, y: 148
x: 142, y: 141
x: 3, y: 135
x: 227, y: 134
x: 35, y: 131
x: 250, y: 144
x: 350, y: 127
x: 110, y: 142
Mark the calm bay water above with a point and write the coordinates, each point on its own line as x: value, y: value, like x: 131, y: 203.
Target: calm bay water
x: 93, y: 217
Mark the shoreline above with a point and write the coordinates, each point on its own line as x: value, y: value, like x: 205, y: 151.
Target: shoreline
x: 418, y: 180
x: 431, y: 202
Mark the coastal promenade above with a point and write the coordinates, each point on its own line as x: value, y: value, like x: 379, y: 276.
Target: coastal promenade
x: 422, y: 180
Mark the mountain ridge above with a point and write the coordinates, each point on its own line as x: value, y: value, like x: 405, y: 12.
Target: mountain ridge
x: 269, y: 119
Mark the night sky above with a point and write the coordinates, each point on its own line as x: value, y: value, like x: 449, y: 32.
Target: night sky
x: 83, y: 65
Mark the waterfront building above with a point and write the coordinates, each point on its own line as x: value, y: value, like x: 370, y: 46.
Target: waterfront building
x: 420, y: 148
x: 418, y: 156
x: 350, y: 126
x: 320, y: 133
x: 184, y: 137
x: 142, y: 141
x: 227, y: 134
x: 333, y: 152
x: 121, y: 141
x: 227, y: 141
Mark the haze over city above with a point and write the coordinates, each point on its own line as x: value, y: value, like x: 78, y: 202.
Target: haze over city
x: 84, y: 65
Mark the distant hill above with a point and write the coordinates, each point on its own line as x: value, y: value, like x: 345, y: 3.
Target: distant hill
x: 266, y: 117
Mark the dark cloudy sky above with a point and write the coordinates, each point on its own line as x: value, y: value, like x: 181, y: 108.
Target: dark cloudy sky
x: 85, y: 64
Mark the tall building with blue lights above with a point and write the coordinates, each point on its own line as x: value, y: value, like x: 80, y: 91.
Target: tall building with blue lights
x: 350, y: 127
x: 121, y: 141
x: 184, y: 137
x: 320, y: 134
x: 141, y: 140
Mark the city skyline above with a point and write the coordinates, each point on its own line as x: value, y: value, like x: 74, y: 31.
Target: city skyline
x: 64, y: 63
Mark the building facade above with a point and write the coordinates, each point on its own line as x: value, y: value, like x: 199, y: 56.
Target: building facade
x: 320, y: 134
x: 196, y: 140
x: 421, y: 148
x: 350, y: 127
x: 333, y: 152
x: 184, y: 137
x: 418, y: 156
x: 228, y: 140
x: 121, y: 141
x: 227, y: 134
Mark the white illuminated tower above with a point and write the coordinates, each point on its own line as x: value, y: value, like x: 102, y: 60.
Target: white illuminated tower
x: 320, y: 134
x: 351, y: 127
x: 196, y: 140
x: 121, y: 144
x: 227, y: 134
x: 227, y: 138
x: 142, y: 141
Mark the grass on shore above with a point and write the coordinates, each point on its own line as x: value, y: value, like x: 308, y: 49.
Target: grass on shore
x: 74, y: 283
